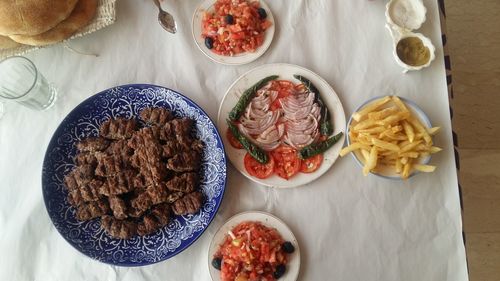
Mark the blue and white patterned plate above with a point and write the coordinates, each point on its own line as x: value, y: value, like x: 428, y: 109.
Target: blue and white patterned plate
x: 84, y: 121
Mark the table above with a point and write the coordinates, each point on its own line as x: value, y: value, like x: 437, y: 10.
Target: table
x: 349, y: 227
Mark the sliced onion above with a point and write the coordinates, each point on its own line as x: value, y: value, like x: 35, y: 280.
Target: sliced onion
x: 316, y: 111
x: 302, y: 119
x: 298, y: 106
x: 270, y: 138
x: 297, y: 114
x: 296, y: 123
x: 257, y: 126
x: 297, y: 141
x: 304, y: 126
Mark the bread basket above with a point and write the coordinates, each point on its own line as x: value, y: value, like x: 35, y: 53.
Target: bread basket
x: 105, y: 15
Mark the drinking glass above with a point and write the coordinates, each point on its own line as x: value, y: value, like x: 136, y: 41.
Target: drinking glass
x: 20, y: 81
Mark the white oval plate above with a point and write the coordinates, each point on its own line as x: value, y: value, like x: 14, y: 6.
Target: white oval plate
x: 293, y: 266
x: 285, y: 71
x: 386, y: 171
x: 239, y: 59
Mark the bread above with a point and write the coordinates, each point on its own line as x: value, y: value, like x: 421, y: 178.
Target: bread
x: 82, y: 14
x: 7, y: 43
x: 30, y: 17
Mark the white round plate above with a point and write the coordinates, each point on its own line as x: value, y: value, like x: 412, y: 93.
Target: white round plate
x: 293, y: 265
x: 386, y: 171
x: 243, y: 58
x: 285, y: 71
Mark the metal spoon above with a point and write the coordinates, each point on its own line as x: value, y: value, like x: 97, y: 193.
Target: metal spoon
x: 166, y: 20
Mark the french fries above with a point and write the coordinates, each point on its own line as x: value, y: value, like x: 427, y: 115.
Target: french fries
x: 371, y: 162
x: 387, y: 133
x: 409, y: 131
x: 369, y: 108
x: 353, y: 147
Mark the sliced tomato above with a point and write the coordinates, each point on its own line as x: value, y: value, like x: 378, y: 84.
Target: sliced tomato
x: 311, y: 164
x: 285, y: 84
x: 258, y: 170
x: 287, y: 162
x: 275, y: 105
x: 299, y: 87
x: 233, y: 140
x: 283, y: 93
x: 284, y: 89
x: 278, y: 85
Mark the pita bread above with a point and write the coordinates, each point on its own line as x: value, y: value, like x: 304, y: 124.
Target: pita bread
x: 82, y: 14
x: 30, y: 17
x: 7, y: 43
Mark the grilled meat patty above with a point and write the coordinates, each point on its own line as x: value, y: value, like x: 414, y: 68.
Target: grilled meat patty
x: 119, y: 128
x: 122, y: 229
x: 189, y: 204
x: 134, y: 179
x: 156, y: 116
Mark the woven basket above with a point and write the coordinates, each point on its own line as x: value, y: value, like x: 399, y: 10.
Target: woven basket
x: 105, y: 15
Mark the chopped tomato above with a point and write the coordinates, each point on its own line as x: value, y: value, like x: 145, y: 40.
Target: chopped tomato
x: 311, y: 164
x: 251, y: 251
x: 238, y: 35
x: 266, y: 24
x: 287, y: 162
x: 258, y: 170
x: 259, y: 39
x: 234, y: 27
x: 233, y: 140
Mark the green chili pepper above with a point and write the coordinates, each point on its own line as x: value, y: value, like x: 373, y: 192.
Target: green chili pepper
x: 255, y: 151
x: 247, y: 96
x: 320, y: 147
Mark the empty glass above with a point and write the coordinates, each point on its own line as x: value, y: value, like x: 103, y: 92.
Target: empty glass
x: 20, y: 81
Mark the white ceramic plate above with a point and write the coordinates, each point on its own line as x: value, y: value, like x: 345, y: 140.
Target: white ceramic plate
x: 285, y: 71
x: 387, y: 171
x: 293, y: 266
x: 243, y: 58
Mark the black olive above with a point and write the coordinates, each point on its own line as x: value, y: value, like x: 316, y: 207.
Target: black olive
x: 209, y: 42
x: 279, y: 271
x: 262, y: 13
x: 288, y: 247
x: 229, y: 19
x: 217, y: 262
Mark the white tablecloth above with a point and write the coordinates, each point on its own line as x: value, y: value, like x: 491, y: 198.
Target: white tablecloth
x: 349, y: 227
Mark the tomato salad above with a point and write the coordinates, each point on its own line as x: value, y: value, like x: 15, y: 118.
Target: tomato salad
x: 252, y: 251
x: 285, y: 127
x: 236, y: 26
